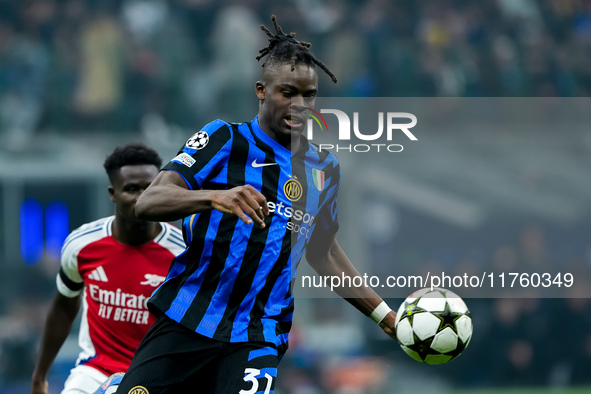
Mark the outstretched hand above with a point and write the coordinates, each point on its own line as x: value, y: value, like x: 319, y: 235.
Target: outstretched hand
x: 243, y: 201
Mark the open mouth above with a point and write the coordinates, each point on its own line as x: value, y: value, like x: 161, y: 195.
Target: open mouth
x: 294, y: 121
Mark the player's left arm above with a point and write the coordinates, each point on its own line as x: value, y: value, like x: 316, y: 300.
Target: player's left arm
x: 327, y: 258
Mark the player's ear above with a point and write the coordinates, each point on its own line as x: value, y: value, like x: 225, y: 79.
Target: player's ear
x: 111, y: 193
x: 259, y: 88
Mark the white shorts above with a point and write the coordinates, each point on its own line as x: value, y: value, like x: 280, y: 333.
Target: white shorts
x: 83, y: 380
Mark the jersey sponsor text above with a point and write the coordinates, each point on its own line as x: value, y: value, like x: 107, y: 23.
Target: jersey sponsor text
x: 128, y: 307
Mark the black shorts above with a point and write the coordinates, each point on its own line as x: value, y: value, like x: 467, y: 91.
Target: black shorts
x: 173, y: 359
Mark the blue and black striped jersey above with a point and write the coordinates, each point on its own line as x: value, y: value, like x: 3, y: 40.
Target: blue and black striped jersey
x: 234, y: 281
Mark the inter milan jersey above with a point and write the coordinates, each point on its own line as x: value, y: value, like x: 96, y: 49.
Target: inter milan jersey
x: 116, y: 281
x: 234, y: 281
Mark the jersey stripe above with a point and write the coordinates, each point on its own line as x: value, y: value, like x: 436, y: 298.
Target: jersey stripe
x: 175, y: 241
x: 108, y: 225
x: 176, y: 302
x: 215, y: 271
x: 75, y: 236
x: 162, y: 234
x: 177, y: 236
x: 242, y: 297
x: 223, y: 238
x: 277, y: 284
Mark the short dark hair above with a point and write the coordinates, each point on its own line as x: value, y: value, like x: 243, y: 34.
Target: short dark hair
x: 130, y: 155
x: 284, y: 48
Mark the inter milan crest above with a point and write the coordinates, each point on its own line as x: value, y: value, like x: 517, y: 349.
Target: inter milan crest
x: 293, y: 189
x: 198, y: 141
x: 139, y: 390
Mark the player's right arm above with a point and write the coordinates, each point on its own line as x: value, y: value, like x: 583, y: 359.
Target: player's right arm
x: 66, y: 304
x: 58, y: 324
x: 168, y: 198
x: 181, y: 189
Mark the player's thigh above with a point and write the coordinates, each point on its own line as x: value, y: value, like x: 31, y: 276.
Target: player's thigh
x: 168, y: 357
x: 83, y: 380
x: 247, y: 369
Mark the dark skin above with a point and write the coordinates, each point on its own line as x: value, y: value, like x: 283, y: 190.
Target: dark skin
x: 58, y: 325
x: 283, y: 95
x: 127, y: 184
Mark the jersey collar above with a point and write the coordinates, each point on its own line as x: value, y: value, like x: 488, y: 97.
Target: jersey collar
x: 276, y: 145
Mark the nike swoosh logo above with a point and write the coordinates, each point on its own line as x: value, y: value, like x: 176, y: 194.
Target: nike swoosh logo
x: 256, y: 165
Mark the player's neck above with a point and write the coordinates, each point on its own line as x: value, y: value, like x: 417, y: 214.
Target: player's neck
x: 135, y: 233
x: 287, y: 141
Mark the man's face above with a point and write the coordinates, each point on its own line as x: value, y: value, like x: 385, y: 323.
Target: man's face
x: 284, y: 94
x: 126, y: 186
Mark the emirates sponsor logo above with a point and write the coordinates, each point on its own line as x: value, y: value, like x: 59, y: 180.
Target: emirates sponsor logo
x: 120, y: 306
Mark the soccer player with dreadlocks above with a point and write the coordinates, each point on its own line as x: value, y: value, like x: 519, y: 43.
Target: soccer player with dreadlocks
x: 255, y: 197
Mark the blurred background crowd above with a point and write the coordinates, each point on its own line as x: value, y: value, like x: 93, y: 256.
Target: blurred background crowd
x: 76, y: 65
x: 78, y: 77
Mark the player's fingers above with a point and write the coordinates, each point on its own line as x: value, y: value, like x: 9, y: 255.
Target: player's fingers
x: 236, y: 210
x: 253, y: 210
x: 256, y: 209
x: 253, y: 198
x: 260, y: 199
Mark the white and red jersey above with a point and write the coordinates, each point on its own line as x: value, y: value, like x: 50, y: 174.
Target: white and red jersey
x: 117, y: 281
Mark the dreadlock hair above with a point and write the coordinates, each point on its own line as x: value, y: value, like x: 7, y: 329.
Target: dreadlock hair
x: 131, y: 154
x: 285, y: 48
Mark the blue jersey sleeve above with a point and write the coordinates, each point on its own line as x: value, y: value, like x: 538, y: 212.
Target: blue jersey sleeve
x: 204, y: 155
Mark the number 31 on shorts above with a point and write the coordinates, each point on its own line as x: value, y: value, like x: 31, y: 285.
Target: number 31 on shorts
x: 251, y: 376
